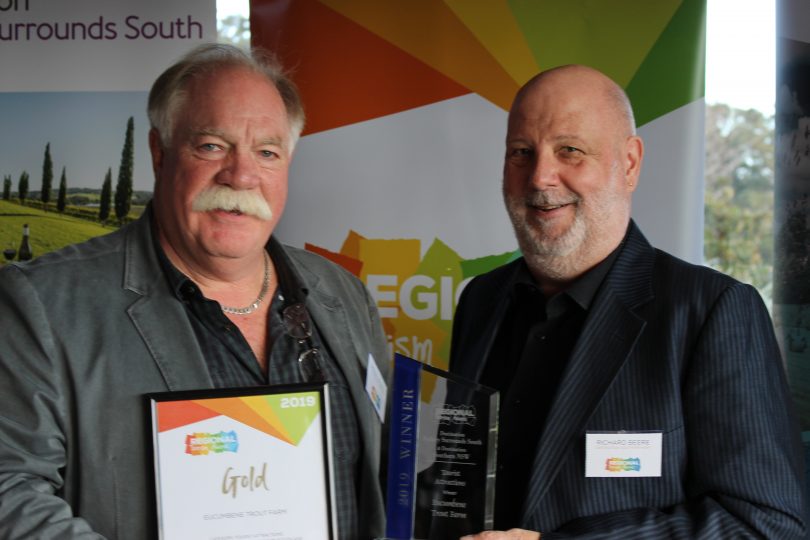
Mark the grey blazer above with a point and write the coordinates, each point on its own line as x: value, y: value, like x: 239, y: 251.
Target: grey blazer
x: 85, y: 332
x: 666, y: 346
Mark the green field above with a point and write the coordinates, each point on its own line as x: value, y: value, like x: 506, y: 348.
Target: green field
x: 49, y: 230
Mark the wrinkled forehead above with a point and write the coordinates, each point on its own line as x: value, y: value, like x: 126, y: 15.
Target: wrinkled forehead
x: 229, y: 96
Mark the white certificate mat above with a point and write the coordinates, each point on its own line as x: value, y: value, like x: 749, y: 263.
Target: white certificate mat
x: 243, y: 463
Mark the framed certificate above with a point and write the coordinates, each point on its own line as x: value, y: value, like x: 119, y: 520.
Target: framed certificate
x: 244, y: 463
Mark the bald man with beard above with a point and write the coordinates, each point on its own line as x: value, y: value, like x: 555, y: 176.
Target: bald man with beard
x: 595, y: 338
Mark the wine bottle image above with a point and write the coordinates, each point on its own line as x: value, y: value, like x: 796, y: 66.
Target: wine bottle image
x: 25, y: 252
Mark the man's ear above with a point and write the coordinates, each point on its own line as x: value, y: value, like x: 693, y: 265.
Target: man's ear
x: 634, y: 155
x: 156, y: 149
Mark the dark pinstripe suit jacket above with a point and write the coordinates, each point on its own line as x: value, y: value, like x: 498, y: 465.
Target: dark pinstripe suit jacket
x: 666, y: 346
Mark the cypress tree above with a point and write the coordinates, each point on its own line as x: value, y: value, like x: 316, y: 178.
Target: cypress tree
x: 61, y: 200
x: 47, y: 177
x: 123, y: 188
x: 106, y: 196
x: 7, y: 187
x: 22, y: 187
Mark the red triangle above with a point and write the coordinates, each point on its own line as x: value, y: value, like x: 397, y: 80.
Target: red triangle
x: 345, y: 73
x: 349, y: 263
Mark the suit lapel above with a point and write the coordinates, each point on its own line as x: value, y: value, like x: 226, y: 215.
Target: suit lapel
x: 332, y: 320
x: 158, y: 317
x: 179, y: 360
x: 330, y: 316
x: 592, y: 367
x: 607, y: 339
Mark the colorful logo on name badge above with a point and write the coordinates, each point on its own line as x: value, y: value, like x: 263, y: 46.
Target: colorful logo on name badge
x: 375, y: 398
x: 615, y: 464
x: 202, y: 444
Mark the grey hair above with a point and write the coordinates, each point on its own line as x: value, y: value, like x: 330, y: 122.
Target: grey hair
x: 170, y: 89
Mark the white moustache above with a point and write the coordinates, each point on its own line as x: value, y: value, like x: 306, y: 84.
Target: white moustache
x: 232, y: 200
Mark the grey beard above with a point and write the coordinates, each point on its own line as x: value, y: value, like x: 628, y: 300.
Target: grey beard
x: 556, y: 258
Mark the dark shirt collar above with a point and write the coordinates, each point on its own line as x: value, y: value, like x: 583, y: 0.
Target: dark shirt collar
x: 289, y: 283
x: 583, y: 290
x: 179, y: 283
x: 580, y: 293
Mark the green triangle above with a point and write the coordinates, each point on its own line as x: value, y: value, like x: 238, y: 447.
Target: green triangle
x: 296, y: 411
x: 441, y: 261
x: 474, y: 267
x: 612, y: 36
x: 673, y: 73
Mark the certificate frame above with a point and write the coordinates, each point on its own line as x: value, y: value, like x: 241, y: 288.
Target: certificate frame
x: 251, y: 462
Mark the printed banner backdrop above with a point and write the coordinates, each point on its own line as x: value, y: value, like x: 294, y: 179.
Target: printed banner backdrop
x: 398, y: 175
x: 73, y: 74
x: 792, y: 197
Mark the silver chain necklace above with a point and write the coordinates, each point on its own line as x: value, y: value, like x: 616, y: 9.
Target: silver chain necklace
x: 255, y: 305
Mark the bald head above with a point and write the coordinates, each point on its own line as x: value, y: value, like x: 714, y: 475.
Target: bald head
x: 610, y: 97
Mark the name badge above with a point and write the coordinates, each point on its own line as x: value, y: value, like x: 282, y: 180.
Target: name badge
x: 376, y: 388
x: 623, y: 454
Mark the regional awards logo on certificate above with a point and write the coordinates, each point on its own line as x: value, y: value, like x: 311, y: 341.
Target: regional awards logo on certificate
x: 243, y: 463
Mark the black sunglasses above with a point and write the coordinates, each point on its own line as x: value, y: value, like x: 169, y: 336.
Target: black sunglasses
x: 298, y: 326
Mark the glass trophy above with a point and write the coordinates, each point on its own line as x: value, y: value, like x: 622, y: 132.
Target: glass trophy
x: 441, y: 455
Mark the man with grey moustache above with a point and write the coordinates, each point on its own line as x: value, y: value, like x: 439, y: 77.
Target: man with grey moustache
x: 195, y: 294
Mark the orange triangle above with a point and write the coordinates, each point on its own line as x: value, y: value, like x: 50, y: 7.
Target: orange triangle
x: 345, y: 73
x: 174, y: 414
x: 239, y: 410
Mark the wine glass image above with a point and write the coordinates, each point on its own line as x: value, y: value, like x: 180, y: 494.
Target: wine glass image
x: 9, y: 253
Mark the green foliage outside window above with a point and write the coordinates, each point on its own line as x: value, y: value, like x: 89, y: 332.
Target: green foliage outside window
x: 739, y: 174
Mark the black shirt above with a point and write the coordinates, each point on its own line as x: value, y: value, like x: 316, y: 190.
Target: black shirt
x: 527, y: 360
x: 231, y: 363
